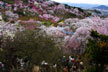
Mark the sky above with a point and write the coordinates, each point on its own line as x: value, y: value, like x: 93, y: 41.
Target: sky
x: 101, y: 2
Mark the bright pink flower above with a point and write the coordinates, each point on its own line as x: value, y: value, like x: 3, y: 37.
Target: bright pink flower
x: 52, y: 21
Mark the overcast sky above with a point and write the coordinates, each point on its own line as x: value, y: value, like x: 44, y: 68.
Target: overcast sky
x: 102, y: 2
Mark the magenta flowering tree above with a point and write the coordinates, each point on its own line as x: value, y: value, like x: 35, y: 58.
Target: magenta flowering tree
x: 30, y: 24
x: 49, y: 16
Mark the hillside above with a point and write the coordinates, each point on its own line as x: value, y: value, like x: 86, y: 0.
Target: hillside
x: 57, y: 9
x: 46, y: 36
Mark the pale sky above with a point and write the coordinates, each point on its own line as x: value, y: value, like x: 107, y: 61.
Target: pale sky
x: 101, y: 2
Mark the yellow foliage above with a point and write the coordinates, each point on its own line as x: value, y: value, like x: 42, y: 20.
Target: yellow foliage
x: 61, y: 22
x: 1, y: 49
x: 52, y: 25
x: 26, y: 18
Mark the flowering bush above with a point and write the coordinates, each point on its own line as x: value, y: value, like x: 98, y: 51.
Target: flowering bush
x: 10, y: 16
x: 9, y: 29
x: 53, y: 31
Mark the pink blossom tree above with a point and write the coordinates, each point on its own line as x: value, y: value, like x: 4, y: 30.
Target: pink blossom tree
x: 76, y: 43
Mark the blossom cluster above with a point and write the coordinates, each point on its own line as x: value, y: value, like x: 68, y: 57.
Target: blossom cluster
x: 77, y: 42
x: 48, y: 16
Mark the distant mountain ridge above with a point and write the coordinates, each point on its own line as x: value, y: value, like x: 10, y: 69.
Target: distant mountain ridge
x: 88, y: 6
x: 102, y: 7
x: 82, y: 5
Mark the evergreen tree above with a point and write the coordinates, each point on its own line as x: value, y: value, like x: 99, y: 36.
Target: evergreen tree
x: 98, y: 50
